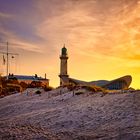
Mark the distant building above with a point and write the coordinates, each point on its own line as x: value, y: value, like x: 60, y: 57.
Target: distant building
x: 28, y: 79
x: 117, y: 84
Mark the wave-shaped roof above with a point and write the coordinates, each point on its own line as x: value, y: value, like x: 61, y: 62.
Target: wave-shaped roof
x: 127, y: 79
x: 102, y: 83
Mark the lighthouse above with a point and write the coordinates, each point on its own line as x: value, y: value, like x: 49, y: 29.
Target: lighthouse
x: 63, y: 66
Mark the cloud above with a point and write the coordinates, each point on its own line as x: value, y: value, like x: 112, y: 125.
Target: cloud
x: 5, y: 15
x: 21, y: 43
x: 95, y: 26
x: 102, y: 27
x: 10, y: 32
x: 92, y: 25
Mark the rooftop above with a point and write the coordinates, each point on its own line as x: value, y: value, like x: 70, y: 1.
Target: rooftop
x: 27, y: 77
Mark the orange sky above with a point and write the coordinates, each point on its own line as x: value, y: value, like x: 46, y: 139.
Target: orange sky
x: 102, y: 37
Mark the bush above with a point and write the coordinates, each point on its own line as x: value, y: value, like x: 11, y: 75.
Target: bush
x: 12, y: 81
x: 48, y: 88
x: 79, y: 93
x: 94, y: 88
x: 35, y: 84
x: 23, y: 85
x: 71, y: 88
x: 38, y: 92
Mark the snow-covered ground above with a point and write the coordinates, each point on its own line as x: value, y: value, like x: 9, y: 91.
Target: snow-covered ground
x: 61, y: 115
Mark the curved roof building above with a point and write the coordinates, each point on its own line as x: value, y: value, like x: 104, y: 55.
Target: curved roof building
x: 117, y: 84
x: 120, y: 83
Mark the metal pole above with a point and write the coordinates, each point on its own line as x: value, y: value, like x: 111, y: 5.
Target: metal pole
x: 7, y: 61
x: 7, y: 53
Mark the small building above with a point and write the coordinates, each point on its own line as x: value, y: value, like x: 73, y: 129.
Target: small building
x: 28, y: 79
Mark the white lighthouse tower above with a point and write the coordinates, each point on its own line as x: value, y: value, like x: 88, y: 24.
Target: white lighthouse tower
x: 63, y: 67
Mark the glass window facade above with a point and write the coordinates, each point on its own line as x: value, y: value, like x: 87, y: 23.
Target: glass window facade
x: 116, y: 85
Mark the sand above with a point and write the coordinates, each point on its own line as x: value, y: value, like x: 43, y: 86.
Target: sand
x: 60, y: 115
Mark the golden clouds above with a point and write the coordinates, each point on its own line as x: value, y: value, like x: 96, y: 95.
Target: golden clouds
x: 102, y: 36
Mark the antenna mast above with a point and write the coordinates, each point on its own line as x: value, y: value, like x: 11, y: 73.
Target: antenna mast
x: 7, y: 55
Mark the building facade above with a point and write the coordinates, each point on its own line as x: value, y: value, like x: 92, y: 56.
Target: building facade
x: 28, y: 79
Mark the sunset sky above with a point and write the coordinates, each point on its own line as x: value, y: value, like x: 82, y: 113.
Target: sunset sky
x: 102, y: 38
